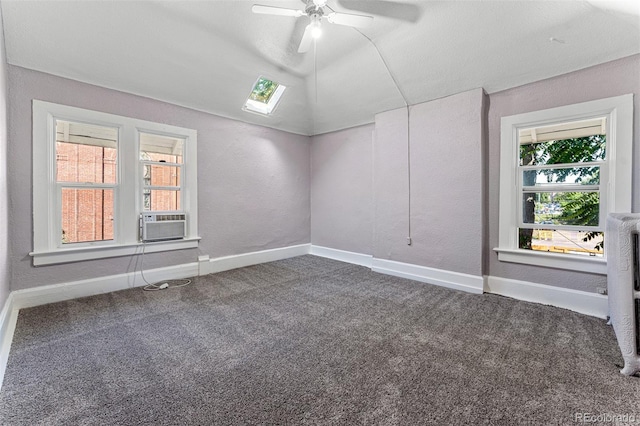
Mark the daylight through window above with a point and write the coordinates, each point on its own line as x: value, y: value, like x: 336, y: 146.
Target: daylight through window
x: 161, y: 159
x: 95, y: 174
x: 560, y: 182
x: 264, y: 96
x: 86, y: 157
x: 562, y: 171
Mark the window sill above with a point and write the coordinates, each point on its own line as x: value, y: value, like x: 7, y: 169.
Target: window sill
x: 570, y: 262
x: 78, y: 254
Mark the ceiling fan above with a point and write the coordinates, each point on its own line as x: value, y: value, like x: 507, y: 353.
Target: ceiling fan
x: 315, y: 11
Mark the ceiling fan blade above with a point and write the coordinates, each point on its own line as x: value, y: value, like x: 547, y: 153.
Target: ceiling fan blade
x: 349, y: 19
x: 305, y: 43
x: 395, y: 9
x: 271, y: 10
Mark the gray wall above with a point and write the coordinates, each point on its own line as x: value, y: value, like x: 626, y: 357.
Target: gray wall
x: 455, y: 141
x: 4, y: 195
x: 446, y: 186
x: 341, y: 190
x: 602, y: 81
x: 253, y: 182
x: 255, y: 186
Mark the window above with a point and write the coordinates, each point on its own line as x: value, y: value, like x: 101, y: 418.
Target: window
x: 562, y: 171
x: 86, y: 177
x: 560, y: 179
x: 264, y: 96
x: 161, y: 160
x: 95, y: 173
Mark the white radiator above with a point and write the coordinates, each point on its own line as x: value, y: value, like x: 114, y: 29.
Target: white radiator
x: 623, y: 282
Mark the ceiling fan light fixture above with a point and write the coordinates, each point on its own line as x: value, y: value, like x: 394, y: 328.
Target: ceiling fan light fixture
x: 316, y: 28
x: 315, y: 11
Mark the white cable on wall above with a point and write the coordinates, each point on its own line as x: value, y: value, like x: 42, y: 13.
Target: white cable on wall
x: 407, y: 106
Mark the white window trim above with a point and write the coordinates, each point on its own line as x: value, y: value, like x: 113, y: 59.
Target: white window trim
x: 619, y: 113
x: 127, y: 194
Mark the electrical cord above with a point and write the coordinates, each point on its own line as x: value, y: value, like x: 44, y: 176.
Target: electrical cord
x: 408, y: 107
x: 160, y: 285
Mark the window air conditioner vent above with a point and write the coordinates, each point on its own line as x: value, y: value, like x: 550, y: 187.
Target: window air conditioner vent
x: 162, y: 226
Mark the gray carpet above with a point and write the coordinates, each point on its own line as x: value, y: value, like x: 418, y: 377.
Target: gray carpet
x: 310, y: 341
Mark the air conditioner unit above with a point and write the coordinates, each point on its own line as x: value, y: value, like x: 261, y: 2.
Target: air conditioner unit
x: 623, y: 283
x: 162, y: 226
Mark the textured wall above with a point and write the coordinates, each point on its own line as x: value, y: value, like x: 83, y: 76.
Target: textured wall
x: 446, y: 184
x: 390, y: 185
x: 602, y: 81
x: 253, y: 182
x: 341, y: 190
x: 4, y: 196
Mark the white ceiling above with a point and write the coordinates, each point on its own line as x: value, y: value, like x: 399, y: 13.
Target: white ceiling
x: 206, y: 55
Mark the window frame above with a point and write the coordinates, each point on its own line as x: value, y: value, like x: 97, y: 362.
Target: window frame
x: 615, y: 192
x: 58, y: 186
x: 150, y: 163
x: 127, y: 190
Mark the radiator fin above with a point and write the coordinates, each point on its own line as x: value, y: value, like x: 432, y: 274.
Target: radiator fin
x: 636, y: 267
x: 623, y: 251
x: 637, y: 326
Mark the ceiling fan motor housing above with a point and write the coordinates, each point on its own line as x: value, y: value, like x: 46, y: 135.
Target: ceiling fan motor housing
x: 312, y: 10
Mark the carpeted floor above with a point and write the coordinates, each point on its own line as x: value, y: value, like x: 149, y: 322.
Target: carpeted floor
x: 310, y: 341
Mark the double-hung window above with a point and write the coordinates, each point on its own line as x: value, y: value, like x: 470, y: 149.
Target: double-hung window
x: 86, y: 180
x: 94, y: 174
x: 162, y: 168
x: 562, y: 171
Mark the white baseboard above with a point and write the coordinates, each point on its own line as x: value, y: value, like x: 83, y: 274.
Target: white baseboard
x: 30, y: 297
x: 592, y: 304
x: 8, y: 317
x: 575, y: 300
x: 226, y: 263
x: 72, y: 290
x: 65, y: 291
x: 440, y: 277
x: 342, y: 255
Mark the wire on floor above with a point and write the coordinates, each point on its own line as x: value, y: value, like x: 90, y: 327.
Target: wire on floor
x: 160, y: 285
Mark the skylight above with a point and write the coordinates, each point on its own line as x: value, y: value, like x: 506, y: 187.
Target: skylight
x: 264, y: 96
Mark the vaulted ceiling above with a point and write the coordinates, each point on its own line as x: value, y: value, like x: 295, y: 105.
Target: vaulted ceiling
x: 206, y: 55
